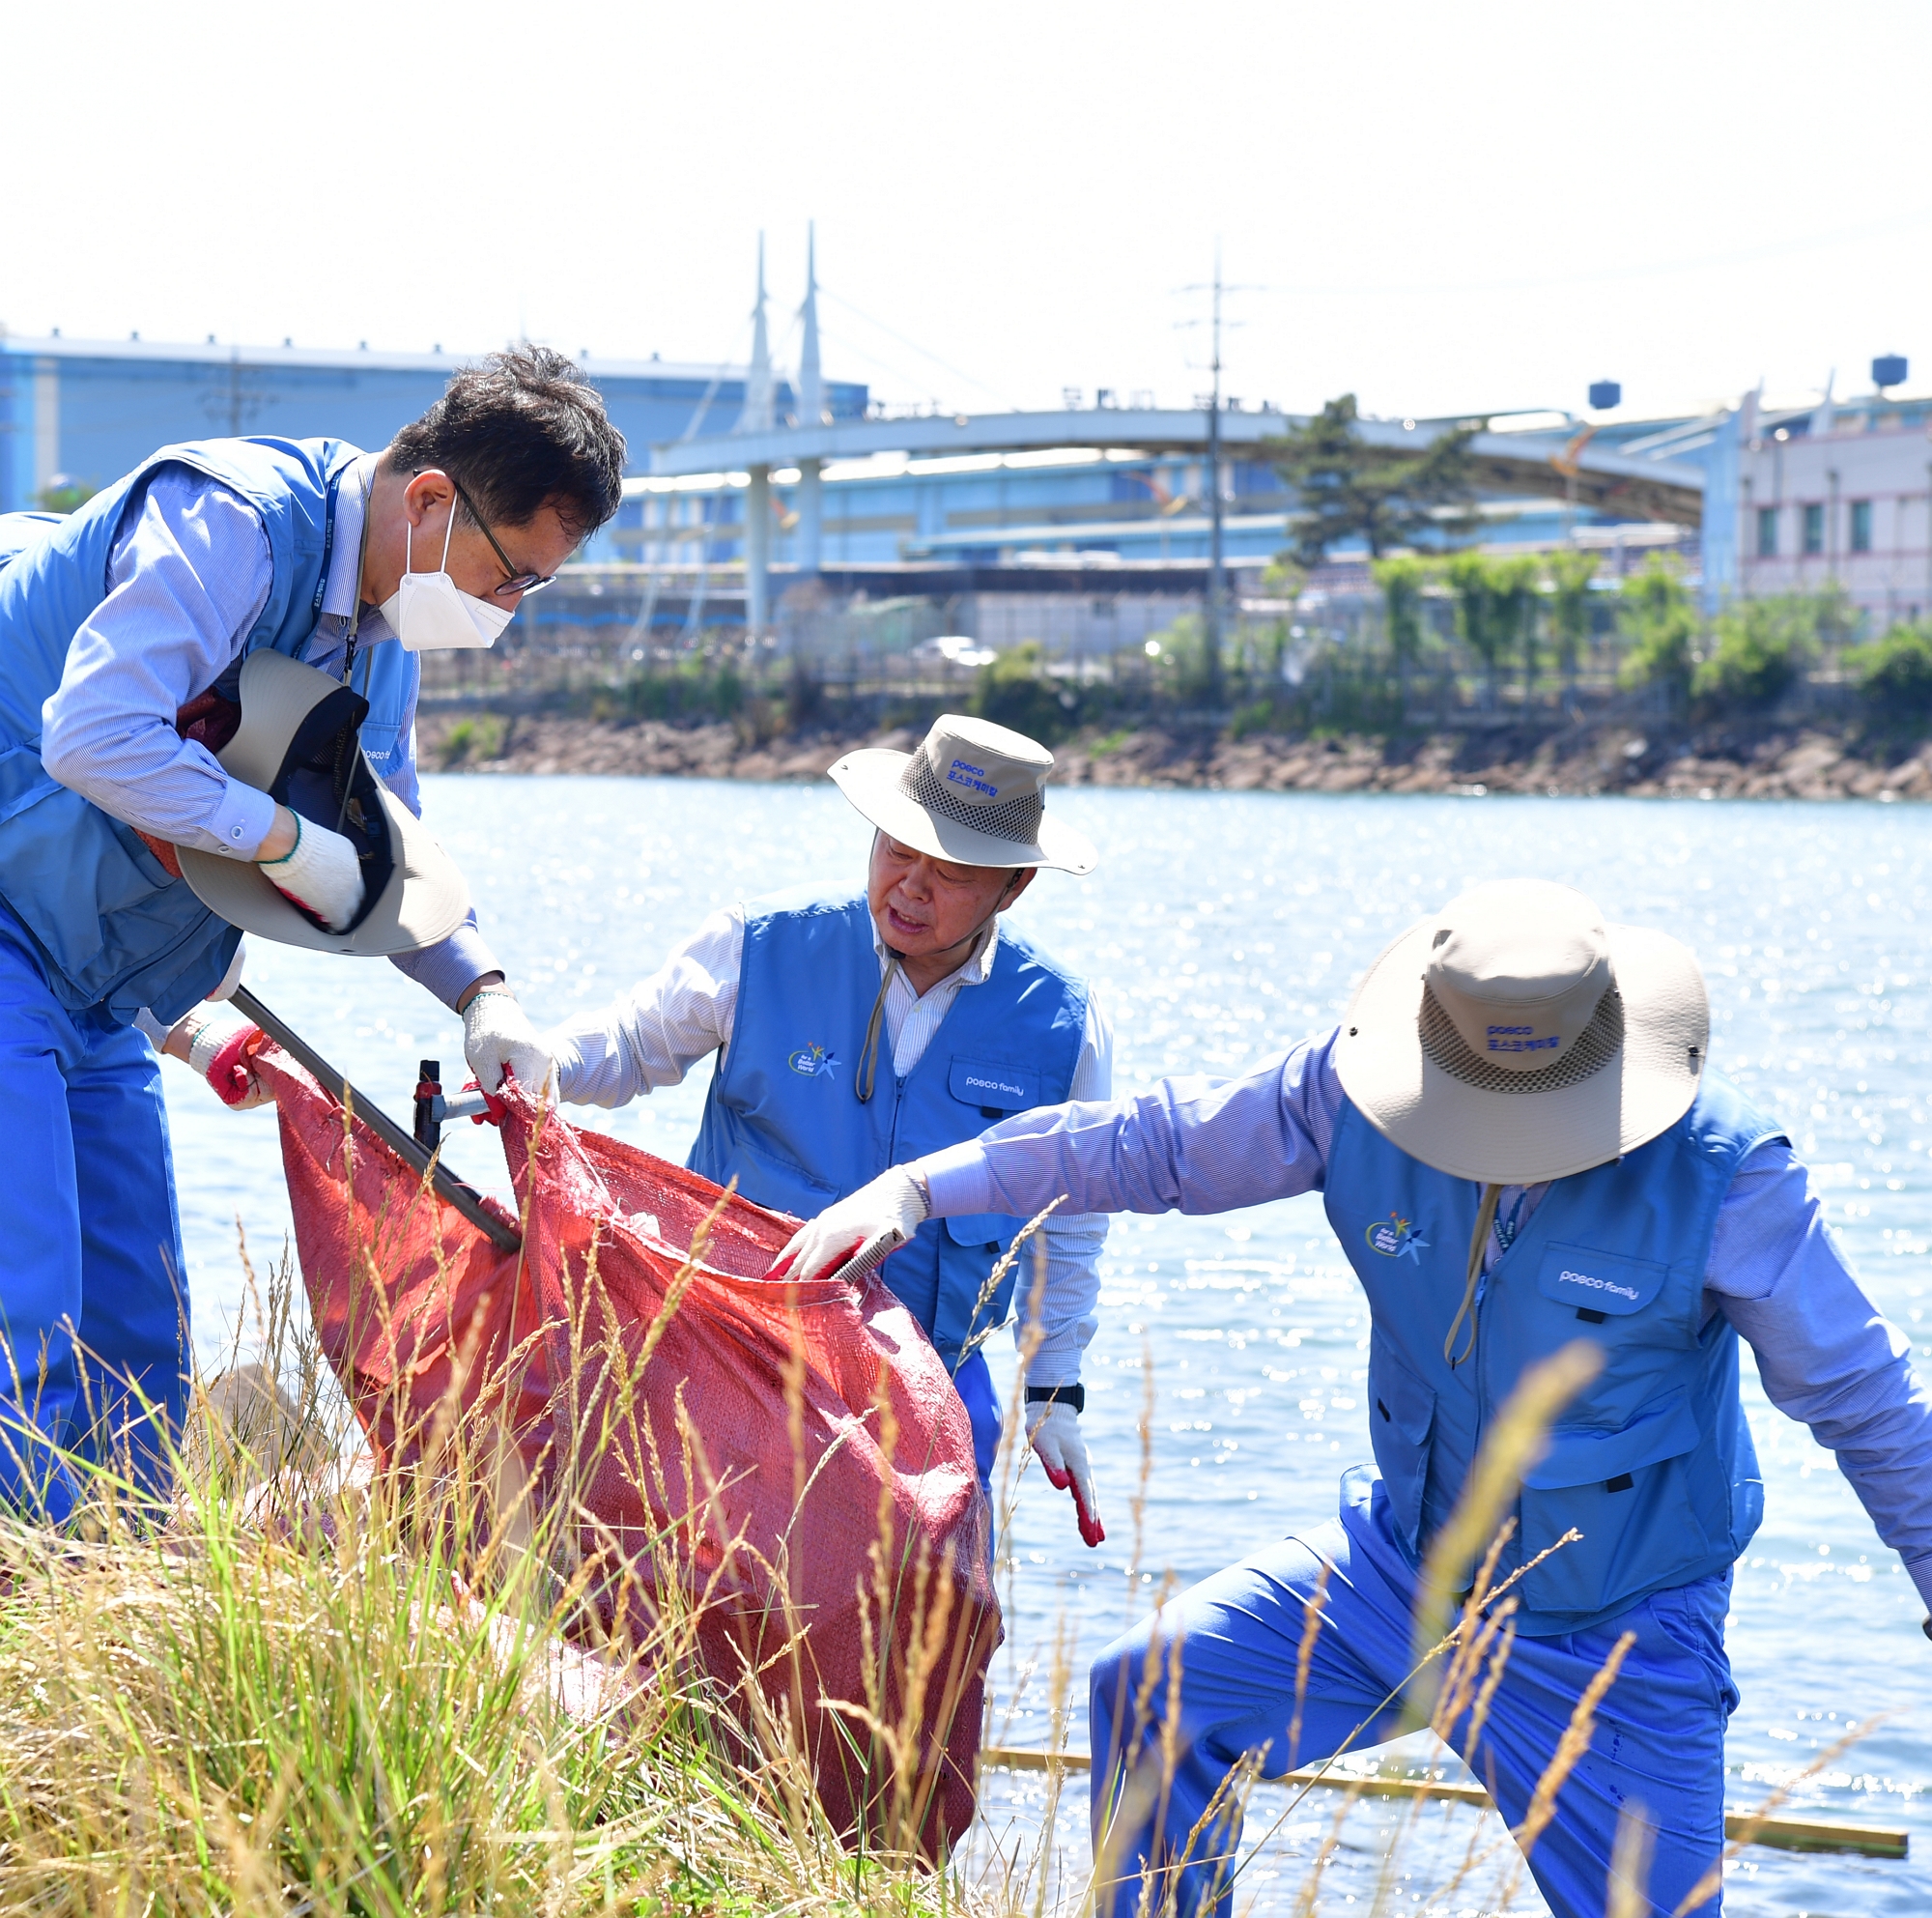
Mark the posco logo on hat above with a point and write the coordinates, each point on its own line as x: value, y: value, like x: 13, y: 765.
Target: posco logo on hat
x: 972, y: 778
x: 1519, y: 1039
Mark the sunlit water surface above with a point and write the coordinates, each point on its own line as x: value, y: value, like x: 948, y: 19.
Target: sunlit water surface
x: 1221, y: 928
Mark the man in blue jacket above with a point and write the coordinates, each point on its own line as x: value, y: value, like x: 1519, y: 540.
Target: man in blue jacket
x: 1519, y: 1146
x: 122, y: 633
x: 858, y: 1028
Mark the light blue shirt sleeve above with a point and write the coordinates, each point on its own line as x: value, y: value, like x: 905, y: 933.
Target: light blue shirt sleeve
x: 1195, y: 1145
x: 1068, y: 1303
x: 445, y: 970
x: 1827, y: 1356
x: 187, y: 577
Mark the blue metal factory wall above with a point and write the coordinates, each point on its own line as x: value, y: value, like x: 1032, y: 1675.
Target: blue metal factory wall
x: 114, y: 411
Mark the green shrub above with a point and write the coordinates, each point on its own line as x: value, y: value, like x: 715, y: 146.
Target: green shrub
x: 1894, y: 673
x: 475, y: 738
x: 1757, y: 648
x: 1013, y: 690
x: 1183, y: 673
x: 694, y: 688
x: 64, y: 494
x: 1658, y: 620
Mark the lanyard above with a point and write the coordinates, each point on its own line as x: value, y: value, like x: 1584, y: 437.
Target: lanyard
x: 328, y: 544
x: 361, y: 562
x: 1507, y: 1228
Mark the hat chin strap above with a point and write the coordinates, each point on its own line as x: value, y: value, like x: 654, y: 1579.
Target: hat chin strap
x: 865, y: 1077
x: 1479, y: 1240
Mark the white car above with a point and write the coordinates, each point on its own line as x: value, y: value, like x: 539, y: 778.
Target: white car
x: 954, y: 649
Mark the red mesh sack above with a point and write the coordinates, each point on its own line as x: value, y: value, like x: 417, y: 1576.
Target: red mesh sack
x: 680, y: 1438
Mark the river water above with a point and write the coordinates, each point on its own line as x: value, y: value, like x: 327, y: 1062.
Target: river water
x: 1221, y: 928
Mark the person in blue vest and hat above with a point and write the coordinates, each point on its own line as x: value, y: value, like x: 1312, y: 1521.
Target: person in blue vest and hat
x: 208, y: 688
x: 1519, y: 1145
x: 855, y: 1028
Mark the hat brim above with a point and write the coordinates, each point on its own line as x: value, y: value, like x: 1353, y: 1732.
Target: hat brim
x: 1523, y: 1138
x: 425, y: 900
x: 871, y: 780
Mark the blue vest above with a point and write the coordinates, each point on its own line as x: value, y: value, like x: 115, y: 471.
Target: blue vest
x: 783, y: 1118
x: 1653, y: 1462
x: 113, y: 928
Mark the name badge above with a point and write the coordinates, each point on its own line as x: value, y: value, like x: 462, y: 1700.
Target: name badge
x: 1006, y: 1088
x: 1599, y: 1281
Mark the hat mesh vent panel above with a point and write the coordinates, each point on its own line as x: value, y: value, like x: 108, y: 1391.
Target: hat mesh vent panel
x: 1597, y: 1044
x: 1016, y: 818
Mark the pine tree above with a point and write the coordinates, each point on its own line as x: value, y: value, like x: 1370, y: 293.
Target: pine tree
x: 1383, y: 496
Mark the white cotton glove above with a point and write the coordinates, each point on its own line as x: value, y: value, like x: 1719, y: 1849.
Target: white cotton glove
x: 498, y: 1036
x: 1054, y: 1427
x: 876, y: 1219
x: 320, y: 872
x: 220, y: 1044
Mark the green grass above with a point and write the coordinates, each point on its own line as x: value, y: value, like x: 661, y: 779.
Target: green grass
x: 473, y: 740
x: 314, y: 1688
x: 326, y: 1691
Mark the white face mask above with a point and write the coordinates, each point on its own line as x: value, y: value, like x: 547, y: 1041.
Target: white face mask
x: 430, y: 612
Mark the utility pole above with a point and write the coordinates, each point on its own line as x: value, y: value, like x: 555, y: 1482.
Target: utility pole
x: 756, y: 417
x: 1211, y: 625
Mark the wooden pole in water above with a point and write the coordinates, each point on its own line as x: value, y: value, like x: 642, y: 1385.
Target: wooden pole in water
x: 1780, y: 1833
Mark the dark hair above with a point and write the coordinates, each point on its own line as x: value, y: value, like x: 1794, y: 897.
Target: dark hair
x: 522, y: 430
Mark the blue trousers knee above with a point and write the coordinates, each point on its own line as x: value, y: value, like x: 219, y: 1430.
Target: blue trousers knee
x: 93, y: 1292
x: 1659, y: 1744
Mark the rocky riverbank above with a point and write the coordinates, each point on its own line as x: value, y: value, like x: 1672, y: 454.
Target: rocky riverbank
x: 1792, y: 762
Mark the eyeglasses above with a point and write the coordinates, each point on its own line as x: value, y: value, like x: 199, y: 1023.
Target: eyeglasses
x: 517, y: 582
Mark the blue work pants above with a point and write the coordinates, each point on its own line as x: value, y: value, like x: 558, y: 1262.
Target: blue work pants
x: 93, y: 1292
x: 974, y: 1383
x: 1659, y: 1744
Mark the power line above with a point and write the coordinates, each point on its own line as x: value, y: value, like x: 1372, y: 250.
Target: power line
x: 958, y: 373
x: 1704, y: 263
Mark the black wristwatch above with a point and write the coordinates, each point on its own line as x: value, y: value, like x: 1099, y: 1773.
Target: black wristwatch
x: 1073, y: 1395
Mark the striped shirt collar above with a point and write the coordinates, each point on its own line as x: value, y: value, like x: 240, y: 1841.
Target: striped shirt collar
x: 976, y: 971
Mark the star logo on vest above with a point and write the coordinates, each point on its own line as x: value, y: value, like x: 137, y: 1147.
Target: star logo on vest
x: 811, y: 1062
x: 1396, y: 1238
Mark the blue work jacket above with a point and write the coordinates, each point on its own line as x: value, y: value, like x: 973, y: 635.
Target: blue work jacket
x: 784, y: 1119
x: 1653, y: 1461
x: 113, y: 928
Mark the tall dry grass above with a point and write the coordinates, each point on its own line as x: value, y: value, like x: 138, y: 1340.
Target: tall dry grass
x: 322, y: 1689
x: 314, y: 1687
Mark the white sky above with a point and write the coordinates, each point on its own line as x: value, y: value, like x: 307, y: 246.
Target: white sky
x: 1451, y: 207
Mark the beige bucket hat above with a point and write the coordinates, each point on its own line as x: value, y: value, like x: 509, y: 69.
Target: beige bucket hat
x: 296, y: 742
x: 1515, y: 1037
x: 974, y: 793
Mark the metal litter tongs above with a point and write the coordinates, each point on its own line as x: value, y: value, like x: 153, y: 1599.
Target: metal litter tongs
x: 873, y: 1253
x: 466, y: 1198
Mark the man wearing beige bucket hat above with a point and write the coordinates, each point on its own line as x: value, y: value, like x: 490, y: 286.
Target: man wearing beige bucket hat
x: 207, y: 689
x: 1519, y: 1145
x: 855, y: 1028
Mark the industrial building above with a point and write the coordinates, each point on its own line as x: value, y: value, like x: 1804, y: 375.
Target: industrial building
x: 1835, y: 493
x: 1089, y: 524
x: 84, y: 412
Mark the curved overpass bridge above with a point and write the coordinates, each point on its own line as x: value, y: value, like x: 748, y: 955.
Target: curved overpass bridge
x: 1561, y: 465
x: 1510, y: 464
